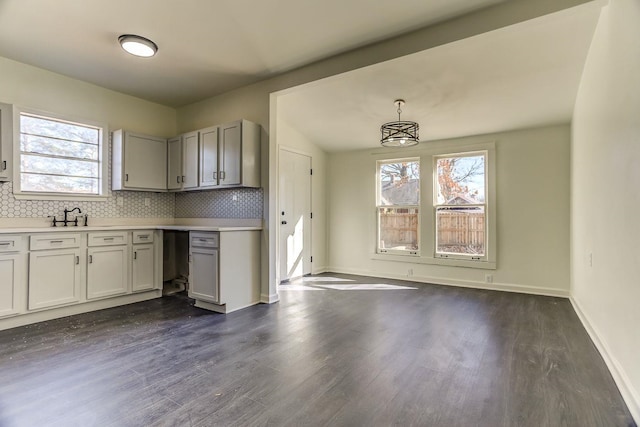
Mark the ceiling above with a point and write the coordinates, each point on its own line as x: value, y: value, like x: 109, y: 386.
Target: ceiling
x: 206, y: 47
x: 522, y: 76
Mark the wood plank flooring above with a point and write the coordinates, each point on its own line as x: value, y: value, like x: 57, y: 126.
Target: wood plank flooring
x: 324, y: 355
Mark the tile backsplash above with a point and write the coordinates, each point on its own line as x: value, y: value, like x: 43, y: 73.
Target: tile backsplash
x: 161, y: 205
x: 241, y: 203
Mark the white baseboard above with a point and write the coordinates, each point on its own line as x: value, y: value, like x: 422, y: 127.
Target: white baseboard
x: 506, y: 287
x: 628, y: 392
x: 269, y: 299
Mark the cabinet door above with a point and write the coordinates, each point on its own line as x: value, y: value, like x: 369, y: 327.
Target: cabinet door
x: 174, y: 162
x: 143, y: 267
x: 203, y: 275
x: 54, y: 278
x: 145, y: 162
x: 6, y: 137
x: 190, y: 160
x: 231, y: 154
x: 107, y: 271
x: 209, y: 157
x: 10, y: 274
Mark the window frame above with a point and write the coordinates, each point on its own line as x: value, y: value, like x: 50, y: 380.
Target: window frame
x: 426, y: 152
x: 436, y: 205
x: 418, y: 208
x: 103, y: 160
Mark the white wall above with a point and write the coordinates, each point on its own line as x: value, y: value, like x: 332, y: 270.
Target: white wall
x: 532, y: 194
x: 256, y: 102
x: 289, y: 137
x: 32, y: 87
x: 605, y: 191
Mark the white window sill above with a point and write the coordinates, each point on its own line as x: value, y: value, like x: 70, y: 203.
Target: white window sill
x: 484, y: 265
x: 65, y: 197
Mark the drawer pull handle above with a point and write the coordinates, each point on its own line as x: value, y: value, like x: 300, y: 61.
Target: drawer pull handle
x: 55, y: 241
x: 5, y: 243
x: 202, y: 240
x: 108, y: 238
x: 143, y: 236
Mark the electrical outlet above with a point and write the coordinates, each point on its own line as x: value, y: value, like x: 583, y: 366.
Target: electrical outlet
x: 147, y: 201
x: 234, y: 198
x: 488, y: 278
x: 410, y: 272
x: 119, y: 201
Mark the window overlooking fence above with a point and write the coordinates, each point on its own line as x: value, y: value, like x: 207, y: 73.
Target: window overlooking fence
x: 460, y: 206
x: 438, y: 207
x: 398, y: 206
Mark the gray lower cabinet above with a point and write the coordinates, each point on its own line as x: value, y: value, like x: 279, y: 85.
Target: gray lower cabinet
x: 143, y: 264
x: 204, y: 267
x: 54, y: 278
x: 224, y: 269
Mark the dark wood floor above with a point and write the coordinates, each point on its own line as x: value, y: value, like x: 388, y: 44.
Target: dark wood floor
x: 429, y: 356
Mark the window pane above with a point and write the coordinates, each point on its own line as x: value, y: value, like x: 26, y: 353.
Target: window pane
x: 461, y: 180
x: 460, y: 230
x: 57, y: 129
x: 398, y: 228
x: 400, y: 183
x: 57, y: 147
x: 58, y: 184
x: 50, y: 165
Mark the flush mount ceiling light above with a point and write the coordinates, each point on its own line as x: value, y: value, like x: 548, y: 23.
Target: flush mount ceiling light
x: 399, y: 134
x: 138, y: 46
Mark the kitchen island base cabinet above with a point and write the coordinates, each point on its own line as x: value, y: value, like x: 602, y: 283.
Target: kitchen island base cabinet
x: 224, y: 270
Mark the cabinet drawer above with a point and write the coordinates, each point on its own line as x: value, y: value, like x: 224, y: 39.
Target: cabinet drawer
x: 107, y: 238
x: 54, y: 241
x: 10, y: 243
x: 204, y: 240
x: 143, y: 236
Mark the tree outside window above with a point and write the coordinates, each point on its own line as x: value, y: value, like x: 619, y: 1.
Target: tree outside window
x: 398, y: 206
x: 460, y: 206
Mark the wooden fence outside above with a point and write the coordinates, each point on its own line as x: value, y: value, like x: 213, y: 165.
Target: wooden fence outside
x: 461, y: 231
x: 399, y: 230
x: 458, y: 231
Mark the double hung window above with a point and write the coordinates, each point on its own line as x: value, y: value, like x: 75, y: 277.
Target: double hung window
x: 460, y: 204
x: 398, y: 206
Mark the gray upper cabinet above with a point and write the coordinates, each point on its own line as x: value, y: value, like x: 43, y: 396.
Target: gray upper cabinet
x: 139, y: 162
x: 182, y: 162
x: 215, y: 157
x: 230, y: 155
x: 6, y: 137
x: 174, y: 163
x: 209, y: 157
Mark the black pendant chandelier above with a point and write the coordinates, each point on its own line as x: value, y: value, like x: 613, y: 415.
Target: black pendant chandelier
x: 399, y: 134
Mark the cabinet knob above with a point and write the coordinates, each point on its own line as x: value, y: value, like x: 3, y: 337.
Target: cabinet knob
x: 283, y: 222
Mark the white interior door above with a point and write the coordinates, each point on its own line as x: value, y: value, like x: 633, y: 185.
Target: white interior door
x: 294, y: 214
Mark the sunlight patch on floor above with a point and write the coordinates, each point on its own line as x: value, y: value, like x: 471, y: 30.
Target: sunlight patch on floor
x: 343, y: 287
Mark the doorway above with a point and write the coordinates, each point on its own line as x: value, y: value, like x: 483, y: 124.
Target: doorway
x: 294, y: 214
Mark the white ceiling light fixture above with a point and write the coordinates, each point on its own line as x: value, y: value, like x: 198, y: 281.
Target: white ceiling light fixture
x: 399, y: 133
x: 137, y: 45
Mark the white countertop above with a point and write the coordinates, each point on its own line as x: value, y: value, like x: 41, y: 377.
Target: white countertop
x: 185, y: 225
x: 12, y: 230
